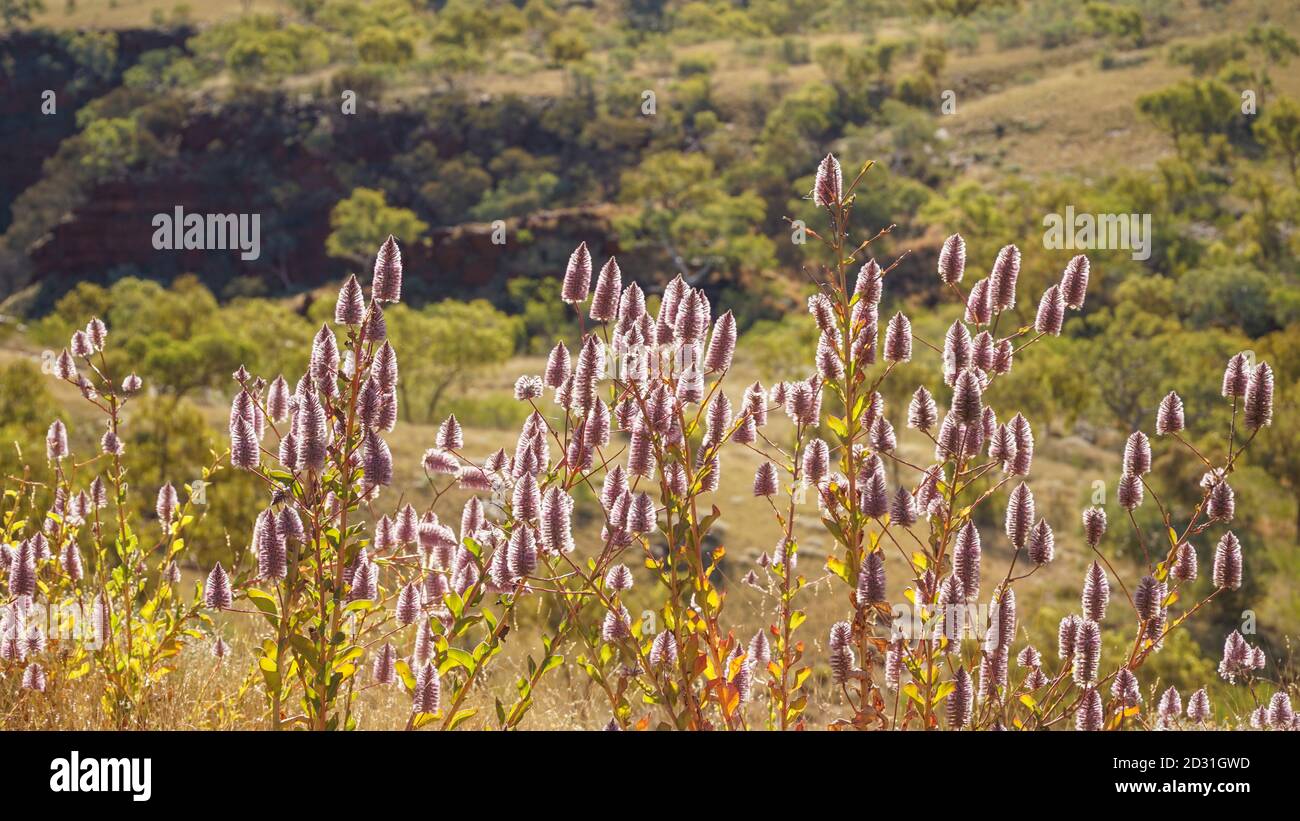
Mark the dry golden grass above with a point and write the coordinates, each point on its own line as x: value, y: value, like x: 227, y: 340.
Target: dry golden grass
x: 124, y: 14
x: 1058, y: 111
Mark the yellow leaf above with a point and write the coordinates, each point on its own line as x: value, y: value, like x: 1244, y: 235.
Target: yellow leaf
x: 942, y: 691
x: 460, y: 717
x: 911, y: 692
x: 730, y: 699
x: 734, y: 667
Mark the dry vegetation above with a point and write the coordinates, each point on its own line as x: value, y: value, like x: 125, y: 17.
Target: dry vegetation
x: 207, y: 694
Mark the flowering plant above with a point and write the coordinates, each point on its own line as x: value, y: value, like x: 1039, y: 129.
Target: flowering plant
x: 127, y: 611
x: 357, y: 593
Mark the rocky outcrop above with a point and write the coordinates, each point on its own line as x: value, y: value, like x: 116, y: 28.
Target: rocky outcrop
x: 35, y: 61
x: 476, y: 259
x: 469, y: 260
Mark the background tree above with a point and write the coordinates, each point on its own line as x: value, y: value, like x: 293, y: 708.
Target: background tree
x: 18, y: 12
x: 1192, y: 107
x: 1123, y: 24
x: 456, y: 341
x: 26, y: 408
x: 361, y: 223
x: 170, y: 441
x: 685, y: 210
x: 1131, y: 350
x: 1278, y: 449
x: 1279, y: 131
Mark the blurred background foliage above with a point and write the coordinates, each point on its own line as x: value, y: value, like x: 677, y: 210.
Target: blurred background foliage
x: 681, y: 135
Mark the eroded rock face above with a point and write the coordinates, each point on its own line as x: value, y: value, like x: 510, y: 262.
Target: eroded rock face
x: 290, y: 161
x: 466, y: 259
x: 111, y: 234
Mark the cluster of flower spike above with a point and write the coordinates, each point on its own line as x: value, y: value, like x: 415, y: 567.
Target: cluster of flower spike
x: 967, y: 429
x: 642, y: 421
x: 659, y: 364
x: 972, y: 356
x: 20, y: 634
x: 48, y: 561
x: 337, y: 413
x: 1150, y: 599
x: 655, y: 381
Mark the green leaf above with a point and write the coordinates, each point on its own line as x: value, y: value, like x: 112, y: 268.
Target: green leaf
x: 941, y: 692
x: 270, y: 673
x: 708, y: 521
x: 305, y: 648
x: 837, y: 426
x: 404, y: 672
x: 263, y: 601
x: 458, y: 658
x: 353, y: 653
x: 551, y: 663
x: 454, y: 603
x: 800, y: 676
x: 423, y: 719
x: 835, y: 529
x: 461, y: 717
